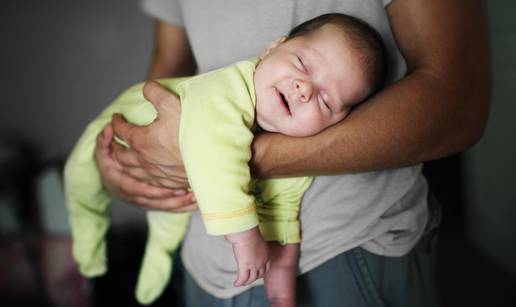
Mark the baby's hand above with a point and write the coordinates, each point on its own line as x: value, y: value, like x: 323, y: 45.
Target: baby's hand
x: 251, y: 255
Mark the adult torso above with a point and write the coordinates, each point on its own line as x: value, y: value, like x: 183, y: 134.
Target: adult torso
x: 384, y: 212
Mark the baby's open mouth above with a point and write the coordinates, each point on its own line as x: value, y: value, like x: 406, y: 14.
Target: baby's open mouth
x: 284, y: 101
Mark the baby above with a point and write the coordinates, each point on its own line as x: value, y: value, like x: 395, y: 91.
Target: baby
x: 300, y: 85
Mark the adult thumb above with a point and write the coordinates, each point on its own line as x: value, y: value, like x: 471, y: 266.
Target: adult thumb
x: 160, y: 97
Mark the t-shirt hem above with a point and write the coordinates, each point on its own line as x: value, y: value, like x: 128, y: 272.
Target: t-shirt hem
x: 397, y: 251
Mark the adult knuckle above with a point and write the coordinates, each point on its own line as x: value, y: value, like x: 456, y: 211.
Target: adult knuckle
x: 150, y: 192
x: 136, y: 143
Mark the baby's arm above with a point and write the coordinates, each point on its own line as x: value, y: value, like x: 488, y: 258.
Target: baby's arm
x: 215, y: 141
x: 279, y: 224
x: 220, y: 181
x: 251, y: 255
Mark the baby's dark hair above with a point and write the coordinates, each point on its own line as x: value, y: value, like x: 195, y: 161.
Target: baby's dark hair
x: 363, y: 38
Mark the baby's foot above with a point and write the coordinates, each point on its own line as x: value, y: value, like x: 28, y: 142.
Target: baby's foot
x: 251, y: 255
x: 280, y: 280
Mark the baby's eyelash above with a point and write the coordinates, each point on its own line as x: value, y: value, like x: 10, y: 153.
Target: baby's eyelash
x: 325, y: 102
x: 301, y: 62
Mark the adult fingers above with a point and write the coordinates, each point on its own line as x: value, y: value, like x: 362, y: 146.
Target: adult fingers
x: 127, y: 132
x: 175, y: 204
x: 133, y: 189
x: 153, y: 198
x: 103, y: 148
x: 142, y: 175
x: 126, y: 157
x: 104, y: 138
x: 135, y: 167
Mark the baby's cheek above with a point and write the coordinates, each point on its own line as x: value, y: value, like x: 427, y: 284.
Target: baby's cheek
x: 317, y: 122
x: 309, y: 126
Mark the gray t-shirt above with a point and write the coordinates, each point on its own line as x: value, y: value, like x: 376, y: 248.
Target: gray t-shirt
x: 385, y: 212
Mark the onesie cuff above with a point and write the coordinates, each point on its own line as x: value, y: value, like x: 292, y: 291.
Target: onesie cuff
x: 93, y: 270
x: 284, y: 232
x: 228, y: 223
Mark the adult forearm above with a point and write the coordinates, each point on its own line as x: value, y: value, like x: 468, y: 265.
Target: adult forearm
x: 439, y: 108
x: 420, y: 118
x: 172, y: 55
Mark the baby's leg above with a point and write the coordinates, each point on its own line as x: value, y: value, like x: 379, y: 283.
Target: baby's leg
x: 251, y: 255
x: 166, y: 231
x: 280, y: 279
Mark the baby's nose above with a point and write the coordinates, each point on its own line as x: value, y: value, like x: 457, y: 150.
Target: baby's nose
x: 304, y: 90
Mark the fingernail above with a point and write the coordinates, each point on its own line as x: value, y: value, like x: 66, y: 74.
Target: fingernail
x: 179, y: 192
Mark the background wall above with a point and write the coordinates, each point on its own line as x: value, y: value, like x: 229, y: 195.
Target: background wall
x: 490, y: 167
x: 63, y: 61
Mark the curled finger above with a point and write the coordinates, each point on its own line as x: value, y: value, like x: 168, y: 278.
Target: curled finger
x: 182, y: 203
x: 131, y: 134
x: 124, y: 156
x: 141, y: 175
x: 261, y: 272
x: 242, y: 277
x: 253, y: 276
x: 104, y: 138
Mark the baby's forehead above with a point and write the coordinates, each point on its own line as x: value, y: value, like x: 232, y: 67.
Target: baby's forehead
x: 336, y: 32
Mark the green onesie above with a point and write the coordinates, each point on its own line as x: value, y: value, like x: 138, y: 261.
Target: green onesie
x: 215, y: 135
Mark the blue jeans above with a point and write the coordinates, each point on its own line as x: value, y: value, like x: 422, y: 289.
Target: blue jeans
x: 355, y: 278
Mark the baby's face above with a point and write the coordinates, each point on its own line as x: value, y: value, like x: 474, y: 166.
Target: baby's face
x: 308, y: 83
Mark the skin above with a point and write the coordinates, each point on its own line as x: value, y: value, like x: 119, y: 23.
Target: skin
x: 439, y: 108
x: 300, y: 87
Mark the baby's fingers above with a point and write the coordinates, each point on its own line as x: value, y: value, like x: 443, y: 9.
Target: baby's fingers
x: 253, y: 276
x: 262, y: 271
x: 243, y: 276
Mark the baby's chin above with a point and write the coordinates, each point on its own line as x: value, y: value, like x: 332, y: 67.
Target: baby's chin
x: 264, y: 125
x: 291, y: 131
x: 302, y: 131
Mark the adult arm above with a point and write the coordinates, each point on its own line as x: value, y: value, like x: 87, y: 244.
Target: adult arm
x: 439, y: 108
x: 172, y: 56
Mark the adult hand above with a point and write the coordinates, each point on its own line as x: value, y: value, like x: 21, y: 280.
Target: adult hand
x: 150, y: 173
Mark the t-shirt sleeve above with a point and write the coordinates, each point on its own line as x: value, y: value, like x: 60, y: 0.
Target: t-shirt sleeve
x: 168, y: 11
x: 386, y: 2
x: 215, y: 141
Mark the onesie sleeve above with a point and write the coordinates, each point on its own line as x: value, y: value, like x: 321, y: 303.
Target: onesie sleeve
x: 215, y: 140
x: 280, y: 201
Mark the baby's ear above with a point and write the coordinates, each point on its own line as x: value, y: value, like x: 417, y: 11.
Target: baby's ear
x: 272, y: 46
